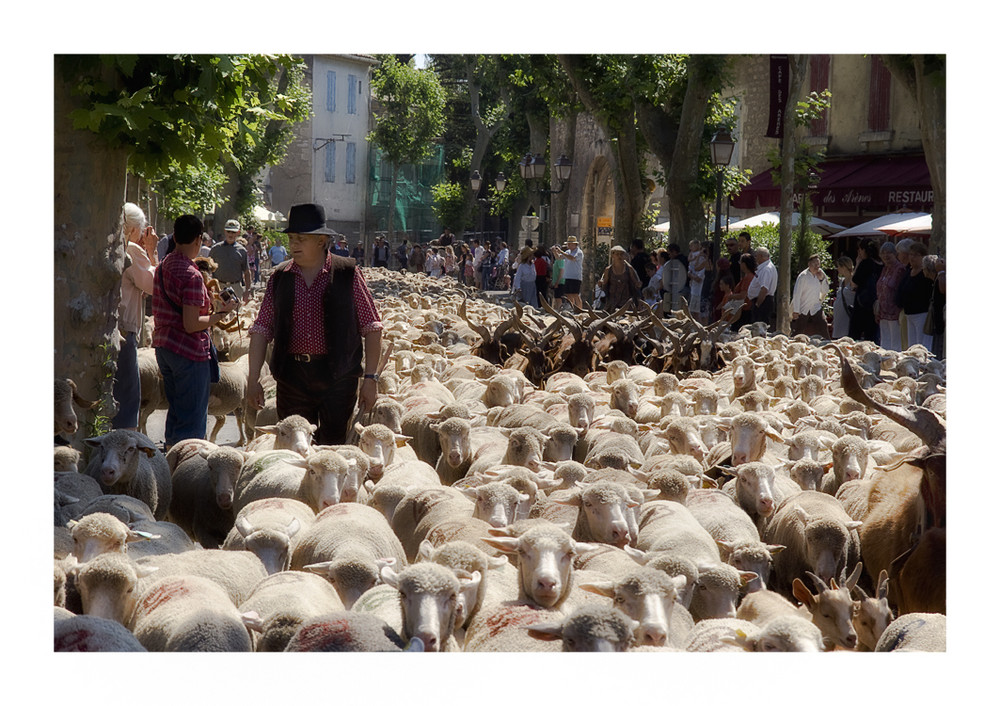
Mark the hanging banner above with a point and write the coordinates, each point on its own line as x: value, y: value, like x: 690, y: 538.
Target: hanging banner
x: 779, y: 94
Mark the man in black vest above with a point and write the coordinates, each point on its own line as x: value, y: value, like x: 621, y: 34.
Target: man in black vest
x: 317, y: 310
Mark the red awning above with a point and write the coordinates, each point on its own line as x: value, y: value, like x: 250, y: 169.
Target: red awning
x: 869, y: 183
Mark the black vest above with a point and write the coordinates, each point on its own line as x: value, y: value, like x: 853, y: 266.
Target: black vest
x: 340, y: 323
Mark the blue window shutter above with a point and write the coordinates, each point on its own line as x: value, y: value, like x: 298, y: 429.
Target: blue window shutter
x: 331, y: 91
x: 352, y: 82
x: 331, y: 159
x: 351, y: 148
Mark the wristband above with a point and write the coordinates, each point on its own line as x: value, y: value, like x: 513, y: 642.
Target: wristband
x: 372, y: 376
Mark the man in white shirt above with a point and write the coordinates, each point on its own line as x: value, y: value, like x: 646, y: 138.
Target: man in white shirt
x: 811, y: 289
x: 762, y: 287
x: 573, y: 256
x: 477, y: 259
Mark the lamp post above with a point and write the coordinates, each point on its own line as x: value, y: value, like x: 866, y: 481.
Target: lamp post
x: 722, y: 151
x: 477, y: 181
x: 532, y: 169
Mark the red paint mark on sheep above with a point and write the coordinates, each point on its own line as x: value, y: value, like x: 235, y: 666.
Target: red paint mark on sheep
x: 338, y: 509
x: 317, y: 635
x: 502, y: 620
x: 169, y: 590
x: 75, y: 641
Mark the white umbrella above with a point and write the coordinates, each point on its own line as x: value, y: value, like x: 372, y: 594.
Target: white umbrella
x: 918, y: 225
x: 661, y: 227
x: 875, y: 227
x: 816, y: 224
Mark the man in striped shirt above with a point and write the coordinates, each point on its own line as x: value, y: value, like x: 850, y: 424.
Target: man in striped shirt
x: 320, y: 315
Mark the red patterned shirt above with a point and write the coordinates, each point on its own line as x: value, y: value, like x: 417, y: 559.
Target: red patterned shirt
x: 184, y: 285
x: 307, y: 314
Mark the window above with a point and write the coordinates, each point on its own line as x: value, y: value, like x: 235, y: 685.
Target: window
x: 331, y: 91
x: 331, y: 159
x: 878, y: 96
x: 352, y: 104
x: 351, y: 150
x: 819, y: 81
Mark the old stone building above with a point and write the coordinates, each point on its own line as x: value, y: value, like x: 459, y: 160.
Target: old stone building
x: 327, y: 162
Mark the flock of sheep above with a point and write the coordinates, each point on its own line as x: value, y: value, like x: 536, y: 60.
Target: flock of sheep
x: 790, y: 500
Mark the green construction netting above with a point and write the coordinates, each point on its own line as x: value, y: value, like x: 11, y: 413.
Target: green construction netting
x: 414, y: 216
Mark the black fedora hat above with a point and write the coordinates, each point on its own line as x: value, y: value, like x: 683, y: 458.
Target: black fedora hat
x: 309, y: 218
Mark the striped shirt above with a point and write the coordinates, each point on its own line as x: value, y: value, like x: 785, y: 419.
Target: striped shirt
x: 184, y: 286
x: 307, y: 314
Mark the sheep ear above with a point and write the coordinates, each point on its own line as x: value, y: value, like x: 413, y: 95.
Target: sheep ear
x: 359, y: 429
x: 389, y: 577
x: 142, y: 571
x: 853, y: 524
x: 775, y: 548
x: 575, y: 499
x: 508, y: 545
x: 495, y: 562
x: 293, y: 527
x: 243, y: 526
x: 252, y: 621
x: 425, y: 551
x: 746, y: 577
x: 637, y: 554
x: 726, y: 546
x: 545, y: 631
x: 472, y: 493
x: 739, y: 638
x: 472, y: 581
x: 680, y: 582
x: 298, y: 462
x: 94, y: 441
x: 320, y: 568
x: 401, y: 440
x: 581, y: 547
x: 268, y: 429
x: 72, y: 523
x: 649, y: 494
x: 138, y: 536
x: 601, y: 588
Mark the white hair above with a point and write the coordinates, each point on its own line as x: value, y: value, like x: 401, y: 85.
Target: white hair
x: 763, y: 252
x: 903, y: 246
x: 131, y: 217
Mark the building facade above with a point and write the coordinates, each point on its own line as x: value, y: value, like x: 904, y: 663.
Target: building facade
x: 327, y: 162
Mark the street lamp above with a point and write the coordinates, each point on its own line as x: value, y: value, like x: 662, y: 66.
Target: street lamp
x: 477, y: 181
x: 532, y: 168
x: 722, y: 152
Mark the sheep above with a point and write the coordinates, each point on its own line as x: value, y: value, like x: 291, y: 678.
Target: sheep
x: 202, y: 494
x: 721, y: 517
x: 428, y: 595
x: 317, y: 481
x: 832, y: 609
x: 500, y: 628
x: 344, y: 544
x: 89, y: 633
x: 498, y: 503
x: 752, y: 557
x: 282, y: 602
x: 872, y: 615
x: 66, y: 395
x: 461, y: 556
x: 227, y: 396
x: 809, y: 444
x: 189, y: 614
x: 454, y: 441
x: 66, y: 459
x: 236, y: 572
x: 72, y: 493
x: 124, y: 507
x: 108, y: 586
x: 545, y: 563
x: 389, y: 413
x: 670, y: 483
x: 294, y: 433
x: 666, y: 526
x: 683, y: 436
x: 344, y: 631
x: 915, y: 632
x: 807, y: 474
x: 422, y: 509
x: 818, y: 536
x: 760, y: 607
x: 589, y: 629
x: 128, y: 463
x: 649, y: 598
x: 606, y: 513
x: 380, y: 443
x: 270, y: 528
x: 758, y: 490
x: 749, y: 432
x: 850, y: 460
x: 718, y: 591
x: 99, y: 533
x: 744, y: 376
x: 523, y: 448
x: 784, y: 633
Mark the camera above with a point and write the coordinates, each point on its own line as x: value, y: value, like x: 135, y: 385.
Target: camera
x: 227, y: 294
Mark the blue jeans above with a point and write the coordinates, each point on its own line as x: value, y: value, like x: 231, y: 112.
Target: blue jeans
x: 126, y: 389
x: 186, y: 385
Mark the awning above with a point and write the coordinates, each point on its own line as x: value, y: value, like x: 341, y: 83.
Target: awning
x: 870, y: 183
x: 880, y: 225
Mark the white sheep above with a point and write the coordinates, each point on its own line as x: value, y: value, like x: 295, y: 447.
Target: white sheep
x: 344, y: 545
x: 316, y: 481
x: 98, y: 533
x: 90, y: 633
x: 589, y: 629
x: 649, y: 597
x: 236, y: 572
x: 345, y: 631
x: 915, y: 632
x: 270, y: 528
x: 294, y: 433
x: 282, y: 602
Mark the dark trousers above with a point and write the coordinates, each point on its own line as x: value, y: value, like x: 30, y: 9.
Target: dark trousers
x: 186, y: 384
x: 126, y: 390
x: 763, y: 312
x: 811, y: 325
x: 328, y: 402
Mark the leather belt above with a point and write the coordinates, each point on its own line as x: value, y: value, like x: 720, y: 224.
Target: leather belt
x: 307, y: 357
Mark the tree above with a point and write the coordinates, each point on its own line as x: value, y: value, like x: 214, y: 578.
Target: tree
x: 408, y: 118
x: 923, y: 76
x: 153, y: 116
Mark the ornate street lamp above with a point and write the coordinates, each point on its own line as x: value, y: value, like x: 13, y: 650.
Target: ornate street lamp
x: 722, y: 152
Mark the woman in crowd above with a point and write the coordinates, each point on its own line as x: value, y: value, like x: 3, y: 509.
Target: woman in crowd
x: 486, y: 266
x: 620, y: 281
x: 137, y: 283
x: 844, y: 301
x: 886, y: 311
x: 748, y: 269
x: 864, y: 282
x: 934, y: 265
x: 914, y: 297
x: 543, y: 272
x: 450, y: 265
x: 525, y: 277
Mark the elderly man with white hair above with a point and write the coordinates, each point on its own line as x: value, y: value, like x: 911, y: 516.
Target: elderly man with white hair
x: 811, y: 290
x: 763, y: 286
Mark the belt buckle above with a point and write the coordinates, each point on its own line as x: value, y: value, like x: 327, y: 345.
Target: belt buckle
x: 305, y: 358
